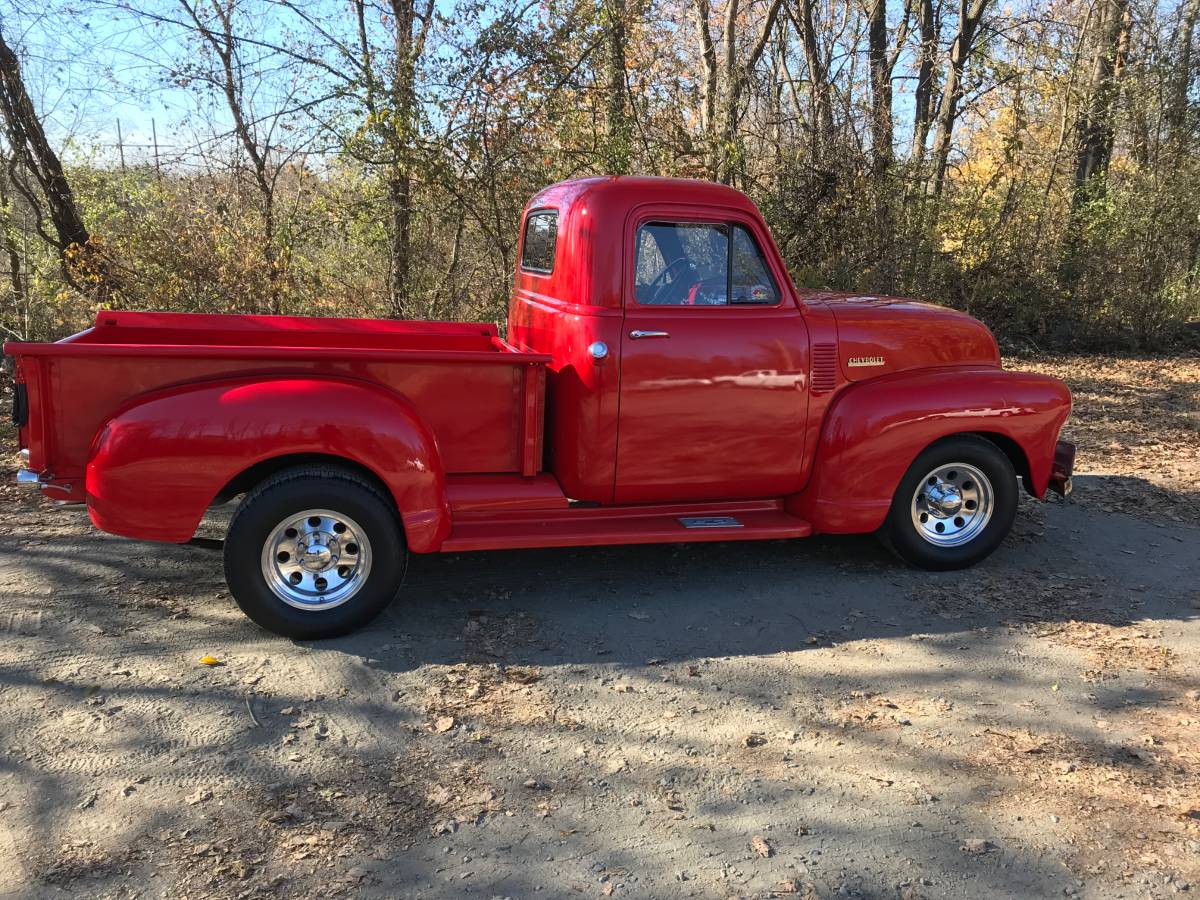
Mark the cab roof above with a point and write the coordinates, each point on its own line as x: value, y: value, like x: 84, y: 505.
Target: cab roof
x: 635, y: 190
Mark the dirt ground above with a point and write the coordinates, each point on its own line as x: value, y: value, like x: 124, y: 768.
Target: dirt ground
x: 740, y: 720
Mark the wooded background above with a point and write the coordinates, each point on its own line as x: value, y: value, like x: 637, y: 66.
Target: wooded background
x: 1035, y: 162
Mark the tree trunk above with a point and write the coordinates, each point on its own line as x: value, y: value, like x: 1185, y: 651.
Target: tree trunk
x: 969, y: 17
x: 27, y: 141
x: 708, y: 83
x: 1095, y: 125
x: 923, y: 96
x: 727, y: 142
x: 881, y: 87
x: 15, y: 278
x: 1181, y: 77
x: 617, y: 125
x: 802, y: 18
x: 409, y: 44
x: 400, y: 203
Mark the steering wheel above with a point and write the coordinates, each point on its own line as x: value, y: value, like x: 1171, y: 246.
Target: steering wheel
x: 661, y: 286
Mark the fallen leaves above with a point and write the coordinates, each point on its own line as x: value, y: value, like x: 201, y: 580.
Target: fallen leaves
x: 977, y: 846
x: 1134, y: 420
x: 210, y: 661
x: 493, y: 693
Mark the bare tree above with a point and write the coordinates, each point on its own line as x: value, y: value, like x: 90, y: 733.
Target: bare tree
x: 970, y: 14
x: 923, y: 95
x: 1095, y: 126
x: 31, y: 155
x: 229, y: 79
x: 377, y: 70
x: 1184, y: 71
x: 882, y: 59
x: 17, y: 280
x: 801, y: 14
x: 734, y: 75
x: 617, y: 125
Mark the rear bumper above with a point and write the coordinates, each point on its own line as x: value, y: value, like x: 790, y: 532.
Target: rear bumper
x: 1062, y: 468
x: 69, y: 490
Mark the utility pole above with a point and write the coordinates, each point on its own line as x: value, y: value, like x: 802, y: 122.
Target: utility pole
x: 121, y: 146
x: 154, y: 135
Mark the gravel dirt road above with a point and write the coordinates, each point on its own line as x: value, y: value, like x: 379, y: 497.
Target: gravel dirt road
x: 740, y: 720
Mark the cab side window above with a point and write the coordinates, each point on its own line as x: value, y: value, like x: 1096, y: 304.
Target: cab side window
x: 682, y: 264
x: 751, y: 279
x: 700, y: 264
x: 538, y: 245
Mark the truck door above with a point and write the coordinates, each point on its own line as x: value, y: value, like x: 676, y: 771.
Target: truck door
x: 714, y: 355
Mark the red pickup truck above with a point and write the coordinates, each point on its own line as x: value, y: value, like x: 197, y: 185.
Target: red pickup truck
x: 661, y: 380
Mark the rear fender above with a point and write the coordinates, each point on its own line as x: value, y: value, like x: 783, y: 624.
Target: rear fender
x: 875, y: 429
x: 158, y: 463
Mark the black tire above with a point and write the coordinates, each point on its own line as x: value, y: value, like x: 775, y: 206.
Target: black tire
x: 293, y: 491
x: 902, y: 535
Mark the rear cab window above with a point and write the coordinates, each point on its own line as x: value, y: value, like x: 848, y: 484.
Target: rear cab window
x: 539, y: 241
x: 700, y: 264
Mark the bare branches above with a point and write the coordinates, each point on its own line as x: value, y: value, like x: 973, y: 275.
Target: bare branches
x: 380, y: 151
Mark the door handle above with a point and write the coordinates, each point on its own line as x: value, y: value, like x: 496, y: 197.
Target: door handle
x: 637, y: 335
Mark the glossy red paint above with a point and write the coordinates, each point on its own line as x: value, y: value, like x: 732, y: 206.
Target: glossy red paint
x: 875, y: 429
x: 794, y: 418
x: 487, y: 495
x: 583, y: 300
x: 726, y: 386
x: 643, y: 524
x: 211, y: 432
x: 703, y: 424
x: 206, y: 411
x: 882, y: 335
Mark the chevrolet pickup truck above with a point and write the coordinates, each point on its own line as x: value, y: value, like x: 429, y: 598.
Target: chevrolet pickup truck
x: 661, y: 380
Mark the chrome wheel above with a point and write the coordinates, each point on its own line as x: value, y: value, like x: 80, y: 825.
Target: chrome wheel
x: 316, y: 560
x: 952, y: 505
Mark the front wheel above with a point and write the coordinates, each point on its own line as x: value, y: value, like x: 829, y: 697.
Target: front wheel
x: 954, y: 505
x: 314, y: 552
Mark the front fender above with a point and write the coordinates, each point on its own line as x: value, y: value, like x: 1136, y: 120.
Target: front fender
x: 875, y: 429
x: 158, y: 463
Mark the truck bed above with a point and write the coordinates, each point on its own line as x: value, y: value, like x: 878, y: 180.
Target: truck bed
x: 481, y: 398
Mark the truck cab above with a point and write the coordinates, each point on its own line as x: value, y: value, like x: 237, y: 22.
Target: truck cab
x: 680, y: 355
x: 661, y: 379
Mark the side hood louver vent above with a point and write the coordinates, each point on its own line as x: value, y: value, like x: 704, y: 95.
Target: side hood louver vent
x: 824, y: 366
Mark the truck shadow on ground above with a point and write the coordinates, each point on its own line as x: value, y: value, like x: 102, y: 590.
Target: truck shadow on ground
x: 637, y: 616
x: 625, y: 605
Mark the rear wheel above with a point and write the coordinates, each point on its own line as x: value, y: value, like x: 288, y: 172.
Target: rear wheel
x: 314, y: 552
x: 954, y: 505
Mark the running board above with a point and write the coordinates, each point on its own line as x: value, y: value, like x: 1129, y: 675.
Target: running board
x: 596, y: 527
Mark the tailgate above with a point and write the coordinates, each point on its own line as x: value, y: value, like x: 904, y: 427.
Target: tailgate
x: 31, y: 402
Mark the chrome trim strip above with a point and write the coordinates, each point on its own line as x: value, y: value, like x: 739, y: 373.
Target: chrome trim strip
x: 709, y: 522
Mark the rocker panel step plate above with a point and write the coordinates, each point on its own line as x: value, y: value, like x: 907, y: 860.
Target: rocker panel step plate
x: 709, y: 522
x: 581, y: 530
